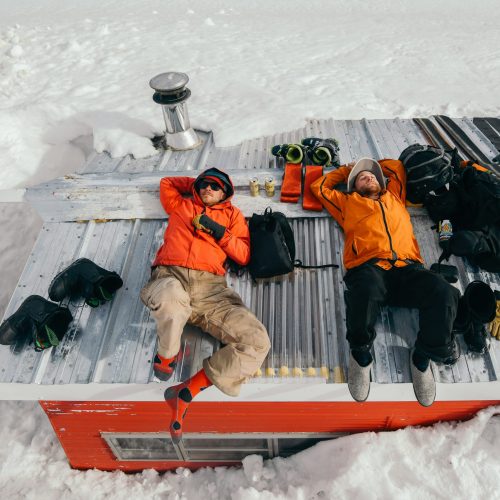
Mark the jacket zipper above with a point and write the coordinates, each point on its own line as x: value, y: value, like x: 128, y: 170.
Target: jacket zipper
x: 394, y: 255
x: 195, y: 232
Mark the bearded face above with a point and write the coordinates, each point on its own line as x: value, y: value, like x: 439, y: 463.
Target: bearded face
x: 366, y: 184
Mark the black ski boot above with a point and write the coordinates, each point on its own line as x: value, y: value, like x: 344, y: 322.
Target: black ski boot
x: 322, y: 151
x: 476, y: 338
x: 292, y: 153
x: 85, y: 279
x: 43, y: 321
x: 476, y: 307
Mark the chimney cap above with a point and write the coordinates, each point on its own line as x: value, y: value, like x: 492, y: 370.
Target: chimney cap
x: 169, y: 82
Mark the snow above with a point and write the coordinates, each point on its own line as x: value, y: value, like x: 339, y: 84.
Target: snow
x: 448, y: 460
x: 75, y: 78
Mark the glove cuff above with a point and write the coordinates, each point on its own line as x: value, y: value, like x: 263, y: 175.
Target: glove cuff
x: 217, y: 229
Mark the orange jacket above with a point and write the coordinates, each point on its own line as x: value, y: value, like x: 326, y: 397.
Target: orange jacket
x: 185, y: 246
x: 374, y: 229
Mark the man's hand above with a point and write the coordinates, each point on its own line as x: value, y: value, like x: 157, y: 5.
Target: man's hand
x: 204, y: 223
x: 494, y: 326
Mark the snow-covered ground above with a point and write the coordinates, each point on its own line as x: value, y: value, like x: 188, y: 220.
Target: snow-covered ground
x: 74, y: 76
x: 458, y: 461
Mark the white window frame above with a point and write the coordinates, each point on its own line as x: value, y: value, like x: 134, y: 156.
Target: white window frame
x: 182, y: 450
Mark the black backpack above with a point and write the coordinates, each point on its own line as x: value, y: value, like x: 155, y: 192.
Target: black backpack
x: 427, y: 169
x: 471, y: 202
x: 272, y: 247
x: 479, y: 194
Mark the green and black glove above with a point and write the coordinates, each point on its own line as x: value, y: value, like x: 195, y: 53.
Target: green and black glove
x: 203, y: 222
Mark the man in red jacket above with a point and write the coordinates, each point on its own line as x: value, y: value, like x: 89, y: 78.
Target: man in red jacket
x: 188, y: 285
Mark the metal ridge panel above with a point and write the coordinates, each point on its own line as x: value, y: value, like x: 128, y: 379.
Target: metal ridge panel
x: 304, y: 311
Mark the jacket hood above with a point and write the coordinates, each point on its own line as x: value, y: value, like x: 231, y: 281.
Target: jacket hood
x: 219, y: 174
x: 371, y: 166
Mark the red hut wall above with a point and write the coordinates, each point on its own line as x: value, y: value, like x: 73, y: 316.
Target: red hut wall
x: 78, y: 424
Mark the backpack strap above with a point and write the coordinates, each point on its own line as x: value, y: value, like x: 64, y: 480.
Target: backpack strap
x: 298, y: 263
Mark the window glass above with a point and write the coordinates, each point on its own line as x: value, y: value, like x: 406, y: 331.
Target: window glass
x: 133, y: 448
x: 214, y: 442
x: 290, y: 446
x: 223, y: 455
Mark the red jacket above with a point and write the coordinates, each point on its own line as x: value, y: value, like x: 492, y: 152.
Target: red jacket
x: 185, y: 246
x: 373, y: 228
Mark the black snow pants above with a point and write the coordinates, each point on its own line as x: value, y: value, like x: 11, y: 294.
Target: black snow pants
x: 369, y: 287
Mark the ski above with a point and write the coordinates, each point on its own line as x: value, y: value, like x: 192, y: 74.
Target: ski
x: 467, y: 150
x: 490, y: 127
x: 432, y: 133
x: 464, y: 142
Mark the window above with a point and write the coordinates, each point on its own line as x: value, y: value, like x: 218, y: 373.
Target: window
x: 224, y: 447
x: 199, y: 447
x: 141, y: 447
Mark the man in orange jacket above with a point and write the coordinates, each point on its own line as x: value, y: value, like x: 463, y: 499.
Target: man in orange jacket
x: 188, y: 285
x: 384, y: 266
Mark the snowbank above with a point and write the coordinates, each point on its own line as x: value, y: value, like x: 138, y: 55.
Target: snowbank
x: 448, y: 460
x: 75, y: 76
x: 74, y: 69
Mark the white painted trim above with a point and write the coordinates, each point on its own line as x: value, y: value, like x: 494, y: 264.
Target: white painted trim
x: 253, y: 392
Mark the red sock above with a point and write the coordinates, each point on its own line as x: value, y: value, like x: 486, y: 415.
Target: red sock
x: 178, y: 398
x: 164, y: 367
x: 309, y: 201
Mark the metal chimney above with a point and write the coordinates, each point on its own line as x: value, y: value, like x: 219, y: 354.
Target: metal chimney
x: 172, y: 94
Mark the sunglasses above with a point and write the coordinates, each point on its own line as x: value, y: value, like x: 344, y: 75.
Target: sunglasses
x: 213, y: 185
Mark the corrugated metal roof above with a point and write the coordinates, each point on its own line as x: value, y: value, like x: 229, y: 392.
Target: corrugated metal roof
x: 304, y: 311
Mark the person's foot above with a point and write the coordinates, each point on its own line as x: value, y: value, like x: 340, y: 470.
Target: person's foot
x: 358, y: 379
x: 164, y: 367
x: 424, y: 385
x: 178, y: 398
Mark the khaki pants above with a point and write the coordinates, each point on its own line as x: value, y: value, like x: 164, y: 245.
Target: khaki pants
x: 177, y: 295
